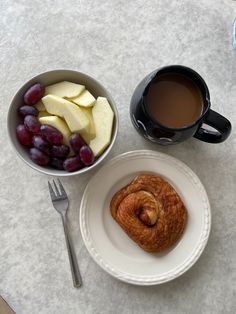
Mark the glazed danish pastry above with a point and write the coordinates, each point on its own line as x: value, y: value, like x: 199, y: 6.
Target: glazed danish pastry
x: 151, y: 212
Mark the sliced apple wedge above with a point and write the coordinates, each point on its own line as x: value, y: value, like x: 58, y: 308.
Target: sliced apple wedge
x: 43, y: 114
x: 59, y: 124
x: 54, y: 105
x: 103, y: 119
x: 86, y: 99
x: 73, y: 115
x: 40, y: 106
x: 65, y: 89
x: 92, y: 130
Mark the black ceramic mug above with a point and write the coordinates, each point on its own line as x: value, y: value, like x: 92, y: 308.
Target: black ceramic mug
x: 154, y: 131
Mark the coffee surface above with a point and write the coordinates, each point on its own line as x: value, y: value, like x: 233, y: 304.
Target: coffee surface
x: 174, y: 100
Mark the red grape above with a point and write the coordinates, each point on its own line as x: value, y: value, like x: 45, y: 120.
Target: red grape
x: 27, y: 110
x: 23, y: 136
x: 32, y: 124
x: 34, y: 94
x: 86, y: 155
x: 51, y: 134
x: 38, y: 157
x: 76, y: 142
x: 57, y: 163
x: 41, y: 144
x: 72, y: 163
x: 60, y: 150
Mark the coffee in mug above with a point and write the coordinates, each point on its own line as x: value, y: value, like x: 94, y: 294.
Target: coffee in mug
x: 174, y: 100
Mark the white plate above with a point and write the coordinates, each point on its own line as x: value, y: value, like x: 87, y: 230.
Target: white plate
x: 109, y: 245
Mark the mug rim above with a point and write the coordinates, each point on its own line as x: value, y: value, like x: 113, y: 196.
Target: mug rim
x: 206, y: 99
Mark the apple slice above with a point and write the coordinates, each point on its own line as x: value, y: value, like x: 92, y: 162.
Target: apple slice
x: 43, y: 114
x: 65, y: 89
x: 92, y: 130
x: 86, y: 99
x: 54, y: 105
x: 59, y: 124
x: 103, y: 119
x: 73, y: 115
x: 40, y: 106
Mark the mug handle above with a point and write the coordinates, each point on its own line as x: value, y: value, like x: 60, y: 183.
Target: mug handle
x: 218, y: 122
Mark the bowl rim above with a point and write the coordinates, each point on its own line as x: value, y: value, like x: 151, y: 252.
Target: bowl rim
x: 65, y: 173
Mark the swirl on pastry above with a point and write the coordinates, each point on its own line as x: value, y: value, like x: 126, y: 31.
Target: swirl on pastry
x: 151, y: 212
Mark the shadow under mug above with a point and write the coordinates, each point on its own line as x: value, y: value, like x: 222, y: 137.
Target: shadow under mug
x: 156, y: 132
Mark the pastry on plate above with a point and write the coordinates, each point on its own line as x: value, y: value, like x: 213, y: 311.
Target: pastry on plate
x: 151, y: 212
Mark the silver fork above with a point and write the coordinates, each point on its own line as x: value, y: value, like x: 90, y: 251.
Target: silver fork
x: 61, y: 203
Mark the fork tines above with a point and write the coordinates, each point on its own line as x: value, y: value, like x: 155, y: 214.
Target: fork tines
x: 57, y: 192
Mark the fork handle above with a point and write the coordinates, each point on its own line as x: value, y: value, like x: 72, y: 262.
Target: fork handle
x: 77, y: 280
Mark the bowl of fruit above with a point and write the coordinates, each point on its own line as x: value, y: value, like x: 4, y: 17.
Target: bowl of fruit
x: 62, y: 122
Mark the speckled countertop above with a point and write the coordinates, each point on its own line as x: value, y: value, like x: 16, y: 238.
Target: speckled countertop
x: 118, y: 42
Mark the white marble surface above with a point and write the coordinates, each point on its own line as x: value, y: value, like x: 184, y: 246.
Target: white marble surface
x: 117, y: 42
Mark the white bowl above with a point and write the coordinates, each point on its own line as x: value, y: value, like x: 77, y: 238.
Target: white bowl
x: 48, y: 78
